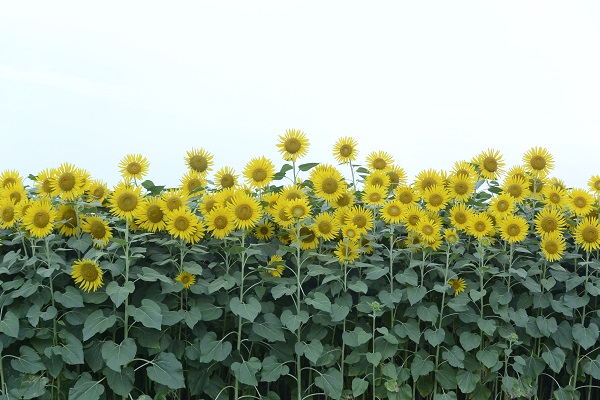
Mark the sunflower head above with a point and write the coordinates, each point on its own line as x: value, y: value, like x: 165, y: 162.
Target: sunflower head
x: 293, y: 144
x: 538, y: 161
x: 459, y: 285
x: 134, y: 166
x: 259, y: 172
x: 345, y: 150
x: 186, y: 279
x: 490, y: 164
x: 276, y: 266
x: 379, y: 160
x: 87, y: 274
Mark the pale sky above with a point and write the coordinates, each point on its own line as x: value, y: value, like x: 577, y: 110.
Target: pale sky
x: 430, y: 82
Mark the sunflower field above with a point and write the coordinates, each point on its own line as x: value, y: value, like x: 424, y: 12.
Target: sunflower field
x: 306, y: 281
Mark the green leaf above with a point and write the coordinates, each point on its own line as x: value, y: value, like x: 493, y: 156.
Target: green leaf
x: 428, y: 314
x: 488, y: 356
x: 519, y: 317
x: 488, y: 326
x: 409, y: 328
x: 120, y: 382
x: 29, y: 361
x: 356, y: 337
x: 415, y: 294
x: 338, y: 312
x: 191, y: 316
x: 359, y: 287
x: 272, y: 369
x: 592, y: 367
x: 293, y: 321
x: 586, y: 337
x: 282, y: 290
x: 72, y: 352
x: 117, y: 293
x: 117, y: 355
x: 212, y: 349
x: 166, y: 370
x: 374, y: 358
x: 420, y: 366
x: 547, y: 326
x: 554, y: 358
x: 192, y: 267
x: 70, y: 299
x: 455, y: 357
x: 80, y: 244
x: 86, y: 389
x: 435, y: 337
x: 307, y: 166
x: 566, y: 393
x: 359, y: 386
x: 269, y: 327
x: 469, y: 341
x: 476, y: 295
x: 331, y: 382
x: 408, y: 277
x: 374, y: 273
x: 312, y: 350
x: 149, y: 314
x: 249, y: 310
x: 319, y: 301
x: 152, y: 275
x: 246, y: 371
x: 467, y: 381
x: 97, y: 322
x: 9, y: 324
x: 30, y: 387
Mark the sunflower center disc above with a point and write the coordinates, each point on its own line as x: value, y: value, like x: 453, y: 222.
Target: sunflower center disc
x: 181, y: 223
x: 89, y: 272
x: 555, y: 198
x: 551, y: 248
x: 427, y: 183
x: 329, y: 185
x: 243, y: 211
x: 308, y: 234
x: 428, y: 230
x: 259, y: 175
x: 174, y: 203
x: 597, y: 185
x: 66, y: 181
x: 379, y: 163
x: 460, y: 217
x: 343, y: 201
x: 221, y: 222
x: 436, y: 200
x: 154, y: 213
x: 264, y: 230
x: 479, y: 226
x: 394, y: 211
x: 98, y: 192
x: 359, y: 220
x: 127, y: 202
x: 292, y: 145
x: 502, y: 206
x: 185, y: 280
x: 579, y: 202
x: 490, y: 164
x: 193, y: 184
x: 460, y: 188
x: 227, y: 181
x: 8, y: 214
x: 413, y: 220
x: 538, y: 163
x: 346, y: 150
x: 374, y: 197
x: 350, y: 233
x: 46, y: 186
x: 198, y: 163
x: 8, y: 181
x: 590, y: 234
x: 71, y: 218
x: 41, y: 219
x: 97, y: 230
x: 134, y: 168
x: 209, y: 205
x: 15, y: 197
x: 298, y: 211
x: 513, y: 230
x: 324, y: 227
x: 549, y: 224
x: 405, y: 197
x: 515, y: 190
x: 377, y: 181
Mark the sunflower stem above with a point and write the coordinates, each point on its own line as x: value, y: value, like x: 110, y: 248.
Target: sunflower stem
x: 126, y: 250
x: 236, y: 387
x: 437, y: 348
x: 298, y: 298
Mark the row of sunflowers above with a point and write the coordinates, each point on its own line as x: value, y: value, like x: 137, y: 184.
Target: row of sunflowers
x: 364, y: 242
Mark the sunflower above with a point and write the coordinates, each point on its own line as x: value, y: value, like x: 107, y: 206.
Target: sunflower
x: 244, y: 210
x: 292, y: 192
x: 490, y: 164
x: 186, y: 278
x: 451, y: 235
x: 199, y: 160
x: 378, y: 177
x: 308, y: 238
x: 406, y: 194
x: 225, y: 196
x: 98, y: 229
x: 280, y: 213
x: 10, y: 177
x: 198, y: 233
x: 436, y: 197
x: 538, y: 161
x: 259, y: 172
x: 501, y: 206
x: 226, y: 178
x: 587, y: 234
x: 464, y: 168
x: 39, y: 218
x: 461, y: 187
x: 67, y: 220
x: 361, y: 217
x: 517, y: 171
x: 374, y: 195
x: 397, y: 175
x: 379, y: 160
x: 150, y: 215
x: 219, y: 222
x: 516, y: 187
x: 43, y: 182
x: 329, y: 184
x: 514, y: 229
x: 429, y: 230
x: 594, y: 184
x: 413, y: 241
x: 549, y: 220
x: 581, y: 202
x: 426, y: 179
x: 555, y: 196
x: 536, y: 186
x: 460, y: 215
x: 182, y: 223
x: 392, y: 211
x: 208, y: 202
x: 346, y: 200
x: 293, y: 144
x: 269, y: 201
x: 192, y: 182
x: 347, y: 251
x: 276, y: 266
x: 68, y: 182
x: 298, y: 209
x: 326, y: 226
x: 480, y: 225
x: 351, y: 232
x: 87, y: 274
x: 412, y: 216
x: 97, y: 191
x: 173, y: 199
x: 459, y: 285
x: 8, y: 217
x: 134, y: 166
x: 264, y: 230
x: 21, y: 208
x: 16, y: 192
x: 125, y: 200
x: 553, y: 246
x: 344, y: 150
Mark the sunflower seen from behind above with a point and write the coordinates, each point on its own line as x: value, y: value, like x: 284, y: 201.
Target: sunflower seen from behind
x: 345, y: 150
x: 39, y: 218
x: 293, y: 144
x: 134, y: 167
x: 87, y: 274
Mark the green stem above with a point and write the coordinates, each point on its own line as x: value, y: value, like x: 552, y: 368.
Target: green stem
x: 126, y: 250
x: 298, y: 298
x: 437, y: 348
x: 373, y: 365
x: 236, y: 387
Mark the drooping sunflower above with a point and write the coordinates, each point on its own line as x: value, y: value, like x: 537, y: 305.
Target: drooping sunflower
x: 219, y: 222
x: 361, y: 217
x: 10, y: 177
x: 276, y: 266
x: 97, y: 191
x: 298, y: 209
x: 16, y: 192
x: 87, y: 274
x: 501, y: 205
x: 7, y: 213
x: 199, y: 160
x: 244, y: 210
x: 134, y: 166
x: 436, y: 197
x: 43, y: 182
x: 513, y: 228
x: 594, y: 184
x: 344, y: 150
x: 374, y: 195
x: 553, y: 246
x: 490, y: 164
x: 379, y: 160
x: 150, y: 215
x: 538, y: 161
x: 329, y: 184
x: 378, y: 177
x: 186, y: 278
x: 69, y: 182
x: 581, y: 202
x: 461, y: 187
x: 346, y: 200
x: 98, y: 229
x: 125, y: 200
x: 406, y: 195
x: 293, y: 144
x: 308, y: 238
x: 192, y: 183
x: 555, y: 196
x: 39, y: 218
x: 480, y: 225
x: 392, y: 211
x: 326, y: 226
x: 226, y: 178
x: 397, y: 175
x: 426, y: 179
x: 412, y: 216
x: 549, y: 220
x: 67, y: 220
x: 464, y: 168
x: 264, y: 230
x: 280, y: 213
x: 459, y: 285
x: 182, y: 224
x: 516, y: 187
x: 587, y: 234
x: 347, y: 251
x: 259, y: 172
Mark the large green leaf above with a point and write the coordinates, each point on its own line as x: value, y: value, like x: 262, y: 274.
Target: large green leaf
x: 331, y: 382
x: 28, y: 362
x: 246, y: 371
x: 30, y: 387
x: 149, y: 314
x: 415, y: 294
x: 273, y: 369
x: 429, y: 313
x: 319, y: 301
x: 455, y: 357
x: 117, y: 293
x: 166, y: 370
x: 420, y: 366
x: 249, y: 310
x: 435, y: 336
x: 117, y: 355
x: 293, y: 321
x: 212, y: 349
x: 86, y: 389
x: 555, y: 358
x: 269, y: 327
x: 359, y: 386
x: 466, y: 380
x: 356, y: 337
x: 312, y: 350
x: 488, y: 356
x: 9, y: 324
x: 71, y: 298
x: 120, y: 382
x: 97, y: 322
x: 586, y: 337
x: 72, y: 350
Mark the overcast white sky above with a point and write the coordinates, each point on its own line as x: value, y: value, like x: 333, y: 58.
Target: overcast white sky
x: 431, y: 82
